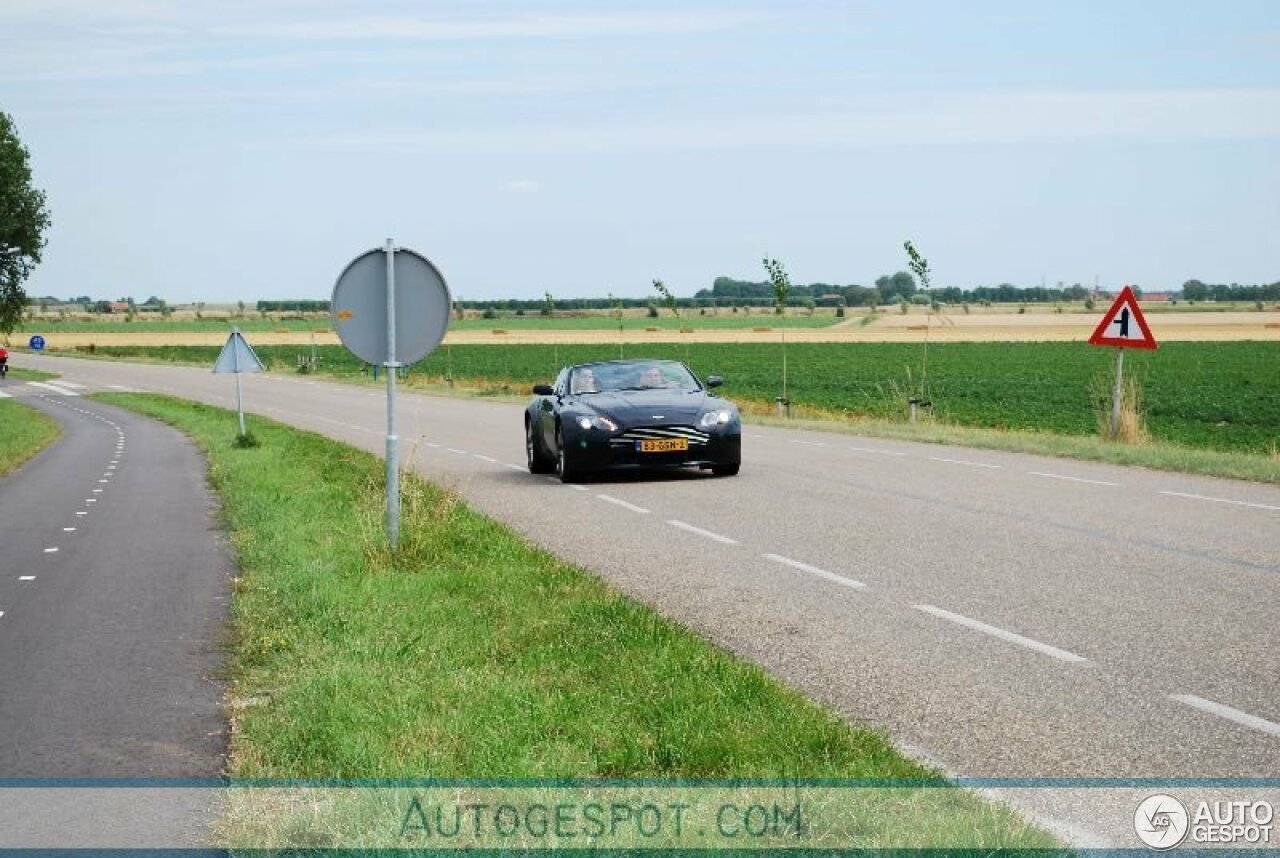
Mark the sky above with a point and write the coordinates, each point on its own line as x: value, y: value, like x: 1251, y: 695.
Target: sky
x: 249, y: 149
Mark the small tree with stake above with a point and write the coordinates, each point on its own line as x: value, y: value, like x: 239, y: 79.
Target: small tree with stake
x: 781, y: 288
x: 920, y: 268
x: 670, y: 300
x: 616, y: 311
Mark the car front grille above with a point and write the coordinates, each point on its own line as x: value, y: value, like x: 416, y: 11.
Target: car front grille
x: 629, y: 438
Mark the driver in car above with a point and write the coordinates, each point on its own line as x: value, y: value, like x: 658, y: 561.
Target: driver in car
x: 652, y: 377
x: 584, y: 381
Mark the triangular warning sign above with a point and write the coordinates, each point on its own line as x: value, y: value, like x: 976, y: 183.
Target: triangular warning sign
x: 237, y: 356
x: 1124, y: 325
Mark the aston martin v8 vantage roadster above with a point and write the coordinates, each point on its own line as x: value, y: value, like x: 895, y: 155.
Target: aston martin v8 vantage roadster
x: 630, y: 413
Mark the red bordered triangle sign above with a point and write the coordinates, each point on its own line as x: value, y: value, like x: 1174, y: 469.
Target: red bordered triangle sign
x: 1124, y: 325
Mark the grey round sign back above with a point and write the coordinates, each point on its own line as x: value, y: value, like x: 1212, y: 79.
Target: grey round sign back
x: 358, y: 310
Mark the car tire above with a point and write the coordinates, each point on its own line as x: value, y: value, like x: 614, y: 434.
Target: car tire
x: 726, y: 470
x: 538, y: 462
x: 564, y: 468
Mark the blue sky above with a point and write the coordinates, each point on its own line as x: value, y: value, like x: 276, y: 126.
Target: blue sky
x: 243, y: 150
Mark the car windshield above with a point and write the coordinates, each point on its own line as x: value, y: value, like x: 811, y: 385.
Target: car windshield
x: 638, y: 375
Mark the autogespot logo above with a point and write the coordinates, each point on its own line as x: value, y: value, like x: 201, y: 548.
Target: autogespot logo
x: 1161, y: 821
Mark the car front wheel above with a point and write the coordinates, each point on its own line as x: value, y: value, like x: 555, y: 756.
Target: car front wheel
x: 564, y: 468
x: 538, y: 463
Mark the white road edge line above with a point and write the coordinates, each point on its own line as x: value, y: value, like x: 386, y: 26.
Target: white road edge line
x: 1244, y: 719
x: 814, y: 570
x: 1010, y: 637
x: 873, y: 450
x: 964, y: 462
x: 623, y: 504
x: 1221, y: 500
x: 700, y: 532
x: 1071, y: 479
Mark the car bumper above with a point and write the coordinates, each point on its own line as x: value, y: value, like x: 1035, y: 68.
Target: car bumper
x: 597, y: 453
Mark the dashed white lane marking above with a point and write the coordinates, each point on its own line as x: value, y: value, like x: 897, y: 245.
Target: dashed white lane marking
x: 814, y: 570
x: 575, y: 487
x: 104, y: 480
x: 4, y: 395
x: 514, y: 467
x: 26, y: 577
x: 68, y: 530
x: 62, y: 391
x: 809, y: 443
x: 82, y: 512
x: 1242, y: 718
x: 432, y: 445
x: 874, y: 450
x: 51, y: 550
x: 90, y: 500
x: 456, y: 450
x: 125, y: 388
x: 97, y: 491
x: 1010, y: 637
x: 963, y: 462
x: 700, y: 532
x: 1221, y: 500
x: 485, y: 458
x: 74, y: 386
x: 620, y: 502
x: 1071, y: 479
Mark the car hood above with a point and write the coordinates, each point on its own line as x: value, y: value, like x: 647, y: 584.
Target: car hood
x: 640, y: 407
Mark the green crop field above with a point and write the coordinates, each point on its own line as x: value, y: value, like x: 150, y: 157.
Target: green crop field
x: 1222, y: 396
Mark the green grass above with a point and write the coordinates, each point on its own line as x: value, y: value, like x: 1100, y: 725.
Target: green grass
x: 24, y: 374
x: 23, y: 433
x: 1207, y: 396
x: 469, y: 653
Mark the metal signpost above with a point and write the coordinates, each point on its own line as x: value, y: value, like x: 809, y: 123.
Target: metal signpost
x: 390, y: 306
x: 237, y: 356
x: 1122, y: 326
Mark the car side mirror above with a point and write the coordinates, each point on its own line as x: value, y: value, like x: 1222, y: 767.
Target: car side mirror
x: 714, y: 381
x: 543, y: 390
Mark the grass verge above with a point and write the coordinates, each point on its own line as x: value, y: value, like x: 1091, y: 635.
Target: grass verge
x: 24, y: 374
x: 23, y: 433
x: 469, y: 653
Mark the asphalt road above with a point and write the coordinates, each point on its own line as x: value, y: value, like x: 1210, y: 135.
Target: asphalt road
x: 114, y: 585
x: 1000, y: 615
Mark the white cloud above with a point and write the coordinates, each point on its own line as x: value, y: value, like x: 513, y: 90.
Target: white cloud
x: 576, y: 26
x: 1195, y: 115
x: 524, y: 186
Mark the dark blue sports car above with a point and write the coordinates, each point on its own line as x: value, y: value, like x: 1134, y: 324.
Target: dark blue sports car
x: 637, y: 413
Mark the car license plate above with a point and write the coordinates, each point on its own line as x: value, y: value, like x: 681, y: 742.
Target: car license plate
x: 665, y: 445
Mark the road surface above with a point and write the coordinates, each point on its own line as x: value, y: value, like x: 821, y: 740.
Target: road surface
x: 1000, y: 615
x: 114, y: 586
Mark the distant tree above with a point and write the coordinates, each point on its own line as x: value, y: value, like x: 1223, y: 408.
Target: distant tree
x: 548, y: 305
x: 24, y: 218
x: 1194, y: 290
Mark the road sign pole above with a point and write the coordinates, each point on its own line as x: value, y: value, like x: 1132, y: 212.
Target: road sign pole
x: 393, y: 443
x: 235, y: 368
x: 1116, y: 393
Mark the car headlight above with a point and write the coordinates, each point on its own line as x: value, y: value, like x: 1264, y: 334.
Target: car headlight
x: 603, y: 423
x: 715, y: 418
